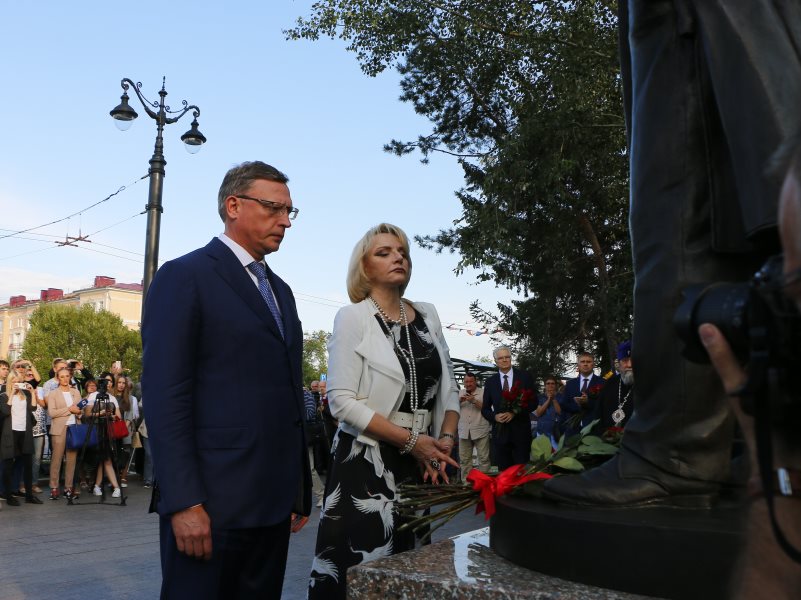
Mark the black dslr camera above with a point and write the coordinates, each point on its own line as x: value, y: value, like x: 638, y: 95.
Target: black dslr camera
x: 762, y: 325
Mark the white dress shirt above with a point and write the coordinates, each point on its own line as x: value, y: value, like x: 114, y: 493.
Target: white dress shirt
x: 245, y: 258
x: 510, y: 375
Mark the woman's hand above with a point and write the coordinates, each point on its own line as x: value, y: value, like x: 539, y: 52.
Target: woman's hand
x: 428, y: 450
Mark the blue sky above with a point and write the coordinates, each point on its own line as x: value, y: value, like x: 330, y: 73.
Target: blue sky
x: 304, y: 107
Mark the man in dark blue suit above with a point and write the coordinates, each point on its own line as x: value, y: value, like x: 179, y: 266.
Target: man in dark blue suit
x: 222, y: 375
x: 577, y: 399
x: 511, y: 434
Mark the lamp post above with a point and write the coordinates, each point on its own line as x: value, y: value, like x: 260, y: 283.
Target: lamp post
x: 124, y: 116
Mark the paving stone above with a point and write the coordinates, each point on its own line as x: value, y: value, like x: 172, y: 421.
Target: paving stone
x: 108, y: 551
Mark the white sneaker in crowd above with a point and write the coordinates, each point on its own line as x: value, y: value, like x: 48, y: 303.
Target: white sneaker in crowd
x: 116, y: 493
x: 97, y: 491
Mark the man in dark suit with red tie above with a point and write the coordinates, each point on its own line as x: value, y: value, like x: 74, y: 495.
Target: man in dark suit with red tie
x: 511, y: 433
x: 578, y: 398
x: 223, y: 379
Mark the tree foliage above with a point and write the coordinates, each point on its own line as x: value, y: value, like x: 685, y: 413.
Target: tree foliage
x: 98, y: 338
x: 315, y: 355
x: 527, y: 97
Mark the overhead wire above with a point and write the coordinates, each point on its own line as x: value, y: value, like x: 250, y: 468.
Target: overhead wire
x: 122, y: 188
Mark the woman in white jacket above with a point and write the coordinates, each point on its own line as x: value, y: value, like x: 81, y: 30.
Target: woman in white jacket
x: 392, y: 389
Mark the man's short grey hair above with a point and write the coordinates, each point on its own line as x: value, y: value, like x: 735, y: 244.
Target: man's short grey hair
x: 499, y: 348
x: 238, y: 179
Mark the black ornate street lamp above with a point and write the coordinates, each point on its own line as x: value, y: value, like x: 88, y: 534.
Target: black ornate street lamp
x: 124, y: 116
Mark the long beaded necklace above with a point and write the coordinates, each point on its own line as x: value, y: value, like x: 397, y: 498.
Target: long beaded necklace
x: 620, y: 414
x: 407, y: 354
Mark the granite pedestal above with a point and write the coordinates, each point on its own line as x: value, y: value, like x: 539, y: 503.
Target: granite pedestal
x: 464, y: 567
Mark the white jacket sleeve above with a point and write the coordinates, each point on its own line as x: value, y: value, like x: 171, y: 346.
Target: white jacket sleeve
x: 346, y: 368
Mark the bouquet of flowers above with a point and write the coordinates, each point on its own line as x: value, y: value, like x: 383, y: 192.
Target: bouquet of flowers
x: 516, y: 400
x: 573, y: 454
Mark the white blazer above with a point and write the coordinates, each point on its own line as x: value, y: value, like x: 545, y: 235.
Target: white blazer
x: 365, y: 375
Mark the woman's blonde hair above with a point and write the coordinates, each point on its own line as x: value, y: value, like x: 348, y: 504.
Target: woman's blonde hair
x: 358, y: 283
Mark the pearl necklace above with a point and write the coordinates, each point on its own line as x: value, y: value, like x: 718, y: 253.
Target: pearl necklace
x: 407, y: 354
x: 619, y: 414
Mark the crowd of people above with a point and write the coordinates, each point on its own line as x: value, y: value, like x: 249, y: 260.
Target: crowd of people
x: 41, y: 422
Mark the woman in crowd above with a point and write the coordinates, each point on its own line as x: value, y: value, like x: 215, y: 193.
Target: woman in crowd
x: 17, y: 405
x: 40, y: 427
x: 105, y: 446
x: 392, y: 389
x: 147, y: 476
x: 62, y: 406
x: 27, y: 372
x: 129, y: 407
x: 549, y: 412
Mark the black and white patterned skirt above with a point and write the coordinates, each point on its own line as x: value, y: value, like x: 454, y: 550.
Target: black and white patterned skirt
x: 358, y: 522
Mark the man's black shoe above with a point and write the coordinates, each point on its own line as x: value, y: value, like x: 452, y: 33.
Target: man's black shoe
x: 18, y: 494
x: 11, y: 500
x: 606, y: 486
x: 32, y: 500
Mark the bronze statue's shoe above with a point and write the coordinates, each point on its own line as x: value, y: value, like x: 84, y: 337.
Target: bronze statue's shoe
x: 606, y: 486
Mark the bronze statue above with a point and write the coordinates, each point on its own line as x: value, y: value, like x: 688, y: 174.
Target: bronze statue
x: 712, y: 88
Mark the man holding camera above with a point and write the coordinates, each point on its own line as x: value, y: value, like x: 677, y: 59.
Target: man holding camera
x: 474, y: 429
x: 767, y: 571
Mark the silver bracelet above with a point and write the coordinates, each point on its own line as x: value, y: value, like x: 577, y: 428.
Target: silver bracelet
x: 447, y: 435
x: 410, y: 442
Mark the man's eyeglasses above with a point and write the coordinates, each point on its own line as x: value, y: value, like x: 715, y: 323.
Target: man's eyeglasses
x: 275, y: 208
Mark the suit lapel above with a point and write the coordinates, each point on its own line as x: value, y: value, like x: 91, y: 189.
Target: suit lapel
x: 231, y: 271
x: 376, y: 349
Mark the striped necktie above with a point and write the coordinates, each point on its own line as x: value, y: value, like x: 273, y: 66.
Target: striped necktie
x: 260, y: 271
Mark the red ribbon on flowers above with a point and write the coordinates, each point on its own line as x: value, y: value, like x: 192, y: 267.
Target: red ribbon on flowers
x: 495, y: 487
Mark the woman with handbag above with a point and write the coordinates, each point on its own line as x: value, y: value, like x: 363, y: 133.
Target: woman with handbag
x: 17, y: 405
x: 62, y: 406
x: 129, y: 407
x: 392, y: 389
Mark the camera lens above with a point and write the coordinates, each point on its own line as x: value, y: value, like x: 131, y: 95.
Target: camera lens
x: 724, y: 305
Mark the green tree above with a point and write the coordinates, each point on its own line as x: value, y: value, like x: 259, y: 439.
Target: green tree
x: 315, y: 355
x: 527, y: 97
x: 98, y: 338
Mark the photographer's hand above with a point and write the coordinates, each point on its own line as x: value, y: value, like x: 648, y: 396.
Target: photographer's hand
x: 192, y: 529
x: 733, y: 377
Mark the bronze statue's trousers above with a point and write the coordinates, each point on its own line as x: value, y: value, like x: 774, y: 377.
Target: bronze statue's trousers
x: 713, y: 88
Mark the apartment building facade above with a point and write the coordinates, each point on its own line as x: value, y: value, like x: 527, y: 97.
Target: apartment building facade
x: 122, y: 299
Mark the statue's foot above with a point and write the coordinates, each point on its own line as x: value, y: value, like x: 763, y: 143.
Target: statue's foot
x: 605, y: 486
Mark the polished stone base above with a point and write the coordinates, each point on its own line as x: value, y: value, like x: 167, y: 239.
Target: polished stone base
x: 665, y: 552
x: 464, y: 567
